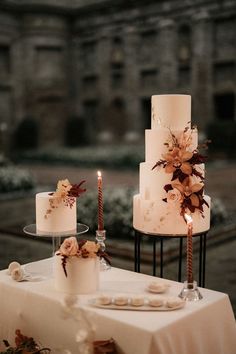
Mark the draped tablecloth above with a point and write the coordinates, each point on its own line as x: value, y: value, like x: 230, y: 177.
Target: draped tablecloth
x: 203, y: 327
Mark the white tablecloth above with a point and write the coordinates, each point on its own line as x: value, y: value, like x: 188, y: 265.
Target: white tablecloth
x: 204, y: 327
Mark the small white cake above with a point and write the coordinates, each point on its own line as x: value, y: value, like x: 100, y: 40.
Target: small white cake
x: 82, y: 275
x: 62, y: 219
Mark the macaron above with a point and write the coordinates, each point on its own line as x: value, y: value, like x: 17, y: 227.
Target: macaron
x: 155, y: 301
x: 137, y: 300
x: 120, y: 300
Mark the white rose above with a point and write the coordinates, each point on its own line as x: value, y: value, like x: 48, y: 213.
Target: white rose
x: 13, y: 265
x: 69, y: 247
x: 174, y: 196
x: 17, y: 274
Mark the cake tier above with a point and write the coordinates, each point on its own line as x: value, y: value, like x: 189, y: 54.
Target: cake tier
x: 155, y: 140
x: 152, y: 182
x: 82, y: 275
x: 158, y: 217
x: 171, y: 111
x: 61, y: 219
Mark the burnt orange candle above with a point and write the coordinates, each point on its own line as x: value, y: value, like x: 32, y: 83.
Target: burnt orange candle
x: 100, y: 203
x: 189, y: 221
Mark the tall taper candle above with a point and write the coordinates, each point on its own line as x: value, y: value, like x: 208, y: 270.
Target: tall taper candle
x: 100, y: 203
x: 189, y: 221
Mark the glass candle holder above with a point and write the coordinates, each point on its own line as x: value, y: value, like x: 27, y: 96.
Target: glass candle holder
x: 190, y: 292
x: 100, y: 238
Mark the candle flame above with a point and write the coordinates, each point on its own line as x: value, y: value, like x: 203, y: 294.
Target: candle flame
x: 99, y: 174
x: 188, y: 218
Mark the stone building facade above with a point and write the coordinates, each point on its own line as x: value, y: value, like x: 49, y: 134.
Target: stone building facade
x: 98, y: 62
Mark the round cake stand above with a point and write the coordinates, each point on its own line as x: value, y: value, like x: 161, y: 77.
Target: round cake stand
x: 56, y: 237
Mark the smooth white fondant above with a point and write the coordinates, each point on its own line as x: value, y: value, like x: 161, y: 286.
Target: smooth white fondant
x: 62, y: 219
x: 82, y: 275
x: 155, y: 216
x: 171, y: 111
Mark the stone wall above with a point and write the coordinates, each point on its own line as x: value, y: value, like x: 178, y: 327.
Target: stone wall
x: 100, y: 61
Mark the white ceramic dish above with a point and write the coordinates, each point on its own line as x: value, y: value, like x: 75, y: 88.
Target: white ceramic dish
x: 94, y: 302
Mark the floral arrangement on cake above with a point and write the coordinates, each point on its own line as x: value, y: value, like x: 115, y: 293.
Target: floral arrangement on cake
x: 187, y: 182
x: 65, y: 193
x: 80, y: 249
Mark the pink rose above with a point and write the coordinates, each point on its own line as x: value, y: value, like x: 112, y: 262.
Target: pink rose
x: 69, y: 247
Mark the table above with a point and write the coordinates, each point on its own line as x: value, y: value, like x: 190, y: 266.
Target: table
x: 205, y: 327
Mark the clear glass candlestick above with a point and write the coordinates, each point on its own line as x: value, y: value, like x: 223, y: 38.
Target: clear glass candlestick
x: 100, y: 238
x: 190, y: 292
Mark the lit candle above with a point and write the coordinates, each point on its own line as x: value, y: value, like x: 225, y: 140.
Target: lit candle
x: 100, y: 203
x: 189, y: 221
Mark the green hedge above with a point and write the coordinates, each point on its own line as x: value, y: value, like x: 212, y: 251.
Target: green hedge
x: 14, y: 179
x: 97, y: 156
x: 118, y: 206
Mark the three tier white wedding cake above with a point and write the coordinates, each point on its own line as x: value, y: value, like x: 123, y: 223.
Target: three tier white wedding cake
x: 171, y: 180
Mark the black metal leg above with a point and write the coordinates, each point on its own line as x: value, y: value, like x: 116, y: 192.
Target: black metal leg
x: 180, y: 259
x: 135, y: 250
x: 137, y: 240
x: 154, y: 257
x: 200, y: 262
x: 138, y: 253
x: 204, y: 259
x: 161, y: 258
x: 202, y: 255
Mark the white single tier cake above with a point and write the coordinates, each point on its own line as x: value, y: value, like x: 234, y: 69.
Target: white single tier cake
x: 61, y: 219
x: 164, y: 189
x: 82, y: 275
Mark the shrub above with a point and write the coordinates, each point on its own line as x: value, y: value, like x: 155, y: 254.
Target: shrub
x: 118, y: 211
x: 112, y: 156
x: 219, y: 214
x: 14, y: 179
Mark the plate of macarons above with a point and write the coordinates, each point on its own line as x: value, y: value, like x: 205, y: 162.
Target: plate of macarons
x: 137, y: 302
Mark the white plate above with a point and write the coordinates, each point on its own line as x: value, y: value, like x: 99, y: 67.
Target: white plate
x: 145, y: 307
